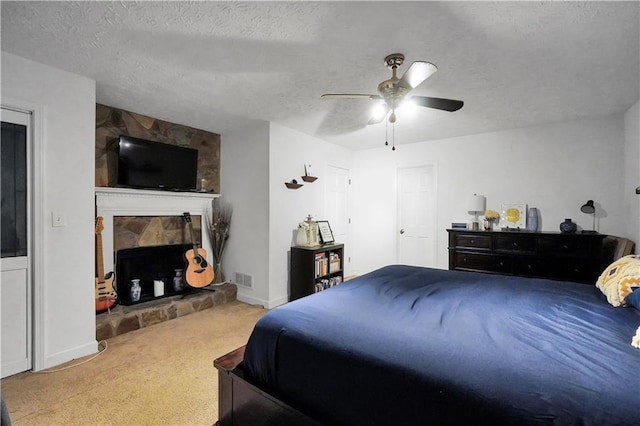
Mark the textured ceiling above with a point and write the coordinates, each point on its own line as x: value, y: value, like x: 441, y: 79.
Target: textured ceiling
x: 216, y: 65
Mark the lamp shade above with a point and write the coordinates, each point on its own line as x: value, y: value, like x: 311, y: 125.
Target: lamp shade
x: 477, y: 204
x: 588, y: 207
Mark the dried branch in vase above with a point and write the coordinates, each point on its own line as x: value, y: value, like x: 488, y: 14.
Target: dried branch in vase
x: 218, y: 223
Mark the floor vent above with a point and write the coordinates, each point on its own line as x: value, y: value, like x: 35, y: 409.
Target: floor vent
x: 244, y: 280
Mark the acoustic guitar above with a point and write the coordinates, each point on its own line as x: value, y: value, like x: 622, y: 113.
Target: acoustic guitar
x: 199, y: 272
x: 105, y: 293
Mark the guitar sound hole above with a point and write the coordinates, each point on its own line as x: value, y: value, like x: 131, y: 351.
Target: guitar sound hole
x: 200, y: 261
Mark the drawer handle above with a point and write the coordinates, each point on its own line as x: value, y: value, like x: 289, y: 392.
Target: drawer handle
x: 473, y: 241
x: 515, y: 244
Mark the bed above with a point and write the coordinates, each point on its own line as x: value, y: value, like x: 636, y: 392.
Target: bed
x: 409, y: 345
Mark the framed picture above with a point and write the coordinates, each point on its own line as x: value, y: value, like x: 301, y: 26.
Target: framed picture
x: 513, y: 215
x: 326, y: 236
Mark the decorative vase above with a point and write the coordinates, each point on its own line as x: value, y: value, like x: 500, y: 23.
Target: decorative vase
x: 135, y: 290
x: 488, y: 225
x: 568, y: 227
x: 178, y: 281
x: 532, y: 219
x: 219, y: 276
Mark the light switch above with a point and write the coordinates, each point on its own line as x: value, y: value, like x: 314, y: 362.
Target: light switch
x: 58, y: 219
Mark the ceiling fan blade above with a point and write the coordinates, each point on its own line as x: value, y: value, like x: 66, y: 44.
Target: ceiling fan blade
x: 417, y: 73
x: 437, y: 103
x: 349, y: 96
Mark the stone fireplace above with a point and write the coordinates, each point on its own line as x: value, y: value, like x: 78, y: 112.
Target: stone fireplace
x: 146, y: 219
x: 124, y: 212
x: 118, y: 205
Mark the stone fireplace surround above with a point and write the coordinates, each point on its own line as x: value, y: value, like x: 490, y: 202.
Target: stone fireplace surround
x: 112, y: 202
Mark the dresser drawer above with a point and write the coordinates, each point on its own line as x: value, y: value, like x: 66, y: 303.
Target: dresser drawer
x: 580, y: 270
x: 566, y: 245
x: 532, y: 266
x: 473, y: 241
x: 552, y: 255
x: 515, y: 243
x: 483, y: 262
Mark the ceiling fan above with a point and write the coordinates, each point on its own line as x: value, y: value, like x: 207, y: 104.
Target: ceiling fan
x: 394, y: 90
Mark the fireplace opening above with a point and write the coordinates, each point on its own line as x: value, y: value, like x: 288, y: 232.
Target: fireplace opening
x: 156, y: 268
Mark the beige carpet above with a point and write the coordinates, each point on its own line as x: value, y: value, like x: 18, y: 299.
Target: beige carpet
x: 161, y: 374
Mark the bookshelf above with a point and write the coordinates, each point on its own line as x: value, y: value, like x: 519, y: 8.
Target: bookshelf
x: 315, y: 269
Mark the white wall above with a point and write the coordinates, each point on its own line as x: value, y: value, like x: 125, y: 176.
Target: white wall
x: 632, y: 172
x: 289, y: 151
x: 555, y: 167
x: 244, y: 180
x: 67, y: 103
x: 255, y: 164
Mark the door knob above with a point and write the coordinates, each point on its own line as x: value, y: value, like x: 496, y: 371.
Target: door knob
x: 402, y: 231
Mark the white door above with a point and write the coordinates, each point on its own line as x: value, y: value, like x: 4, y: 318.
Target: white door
x: 417, y: 215
x: 337, y: 187
x: 15, y: 277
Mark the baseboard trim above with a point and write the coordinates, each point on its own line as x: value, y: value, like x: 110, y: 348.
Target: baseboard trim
x: 277, y: 302
x: 250, y: 300
x: 267, y: 304
x: 70, y: 355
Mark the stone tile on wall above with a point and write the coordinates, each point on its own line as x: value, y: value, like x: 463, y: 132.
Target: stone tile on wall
x: 153, y: 234
x: 144, y: 231
x: 112, y: 122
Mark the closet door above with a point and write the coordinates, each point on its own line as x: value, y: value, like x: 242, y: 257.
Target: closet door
x: 15, y: 276
x: 417, y: 215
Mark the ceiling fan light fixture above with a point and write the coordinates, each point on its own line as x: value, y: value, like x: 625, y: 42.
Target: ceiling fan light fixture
x: 378, y: 111
x: 408, y: 107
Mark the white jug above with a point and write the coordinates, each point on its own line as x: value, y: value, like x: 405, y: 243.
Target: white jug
x: 307, y: 235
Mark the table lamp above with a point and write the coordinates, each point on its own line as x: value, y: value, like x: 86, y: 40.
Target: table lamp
x: 477, y: 204
x: 590, y: 208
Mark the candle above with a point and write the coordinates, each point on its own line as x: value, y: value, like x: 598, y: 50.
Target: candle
x: 158, y: 288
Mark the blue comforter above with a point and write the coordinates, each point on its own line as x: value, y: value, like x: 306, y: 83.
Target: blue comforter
x: 413, y: 346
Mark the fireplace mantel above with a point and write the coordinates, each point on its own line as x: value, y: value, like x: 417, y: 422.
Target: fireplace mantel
x: 112, y: 202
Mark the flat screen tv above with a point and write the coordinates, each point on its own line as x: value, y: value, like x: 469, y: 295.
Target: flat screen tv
x: 155, y: 165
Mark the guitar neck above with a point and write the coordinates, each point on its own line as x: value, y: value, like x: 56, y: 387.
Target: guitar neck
x: 193, y: 241
x: 99, y: 257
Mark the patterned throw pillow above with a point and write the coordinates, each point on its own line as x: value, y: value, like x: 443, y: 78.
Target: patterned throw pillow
x: 620, y: 279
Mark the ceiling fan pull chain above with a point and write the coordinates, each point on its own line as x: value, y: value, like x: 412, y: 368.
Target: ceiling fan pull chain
x: 386, y: 133
x: 393, y: 135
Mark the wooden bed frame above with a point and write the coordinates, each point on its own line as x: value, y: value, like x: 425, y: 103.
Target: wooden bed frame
x: 243, y: 403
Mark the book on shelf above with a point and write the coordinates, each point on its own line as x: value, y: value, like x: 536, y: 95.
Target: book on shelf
x: 321, y: 264
x: 326, y: 283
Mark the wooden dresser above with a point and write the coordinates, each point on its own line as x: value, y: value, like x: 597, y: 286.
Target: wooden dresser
x: 569, y: 257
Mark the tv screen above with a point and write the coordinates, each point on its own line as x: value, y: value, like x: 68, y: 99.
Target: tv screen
x: 155, y: 165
